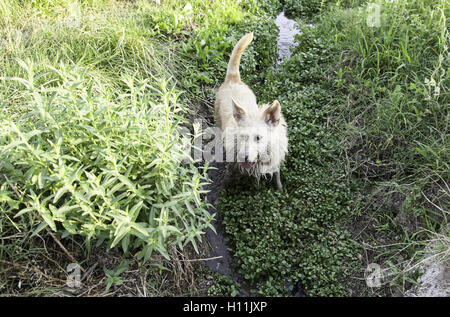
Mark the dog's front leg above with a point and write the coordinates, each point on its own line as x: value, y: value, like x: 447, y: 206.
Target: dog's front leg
x: 277, y: 180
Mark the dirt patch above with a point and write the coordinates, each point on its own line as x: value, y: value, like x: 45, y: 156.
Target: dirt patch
x: 435, y: 269
x: 220, y: 259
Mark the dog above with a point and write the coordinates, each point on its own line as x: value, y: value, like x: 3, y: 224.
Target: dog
x: 254, y: 137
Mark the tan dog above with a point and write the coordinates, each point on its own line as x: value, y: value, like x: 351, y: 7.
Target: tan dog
x: 253, y: 136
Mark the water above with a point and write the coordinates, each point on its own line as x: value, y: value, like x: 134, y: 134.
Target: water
x: 286, y: 36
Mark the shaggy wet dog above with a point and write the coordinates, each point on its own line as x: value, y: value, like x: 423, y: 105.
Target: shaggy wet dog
x: 254, y: 137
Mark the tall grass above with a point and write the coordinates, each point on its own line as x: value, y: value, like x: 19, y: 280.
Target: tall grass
x: 104, y: 39
x: 394, y: 104
x: 396, y: 79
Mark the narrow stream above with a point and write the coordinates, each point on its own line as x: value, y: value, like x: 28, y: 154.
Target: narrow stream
x: 220, y: 260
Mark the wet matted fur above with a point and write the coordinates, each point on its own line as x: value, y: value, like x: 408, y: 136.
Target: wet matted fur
x: 254, y: 137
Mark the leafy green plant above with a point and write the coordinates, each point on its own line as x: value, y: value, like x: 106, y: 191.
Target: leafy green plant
x: 107, y: 167
x: 304, y: 8
x: 113, y: 276
x: 223, y: 286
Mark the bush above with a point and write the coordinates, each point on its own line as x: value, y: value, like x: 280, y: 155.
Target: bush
x: 303, y: 8
x: 102, y: 165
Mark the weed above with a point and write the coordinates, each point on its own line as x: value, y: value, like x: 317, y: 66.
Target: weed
x: 84, y: 173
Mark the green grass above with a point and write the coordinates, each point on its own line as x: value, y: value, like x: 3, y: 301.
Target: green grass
x: 84, y: 92
x: 394, y: 84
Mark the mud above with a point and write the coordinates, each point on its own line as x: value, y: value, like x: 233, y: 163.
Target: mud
x: 220, y: 259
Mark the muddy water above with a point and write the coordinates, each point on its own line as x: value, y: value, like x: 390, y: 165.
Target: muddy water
x: 220, y: 260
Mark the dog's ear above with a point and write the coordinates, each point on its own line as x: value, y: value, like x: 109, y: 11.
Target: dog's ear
x: 272, y: 114
x: 238, y: 111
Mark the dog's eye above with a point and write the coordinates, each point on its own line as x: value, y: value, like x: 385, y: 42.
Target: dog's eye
x: 257, y: 138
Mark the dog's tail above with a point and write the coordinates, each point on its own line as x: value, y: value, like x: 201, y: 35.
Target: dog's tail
x: 233, y: 74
